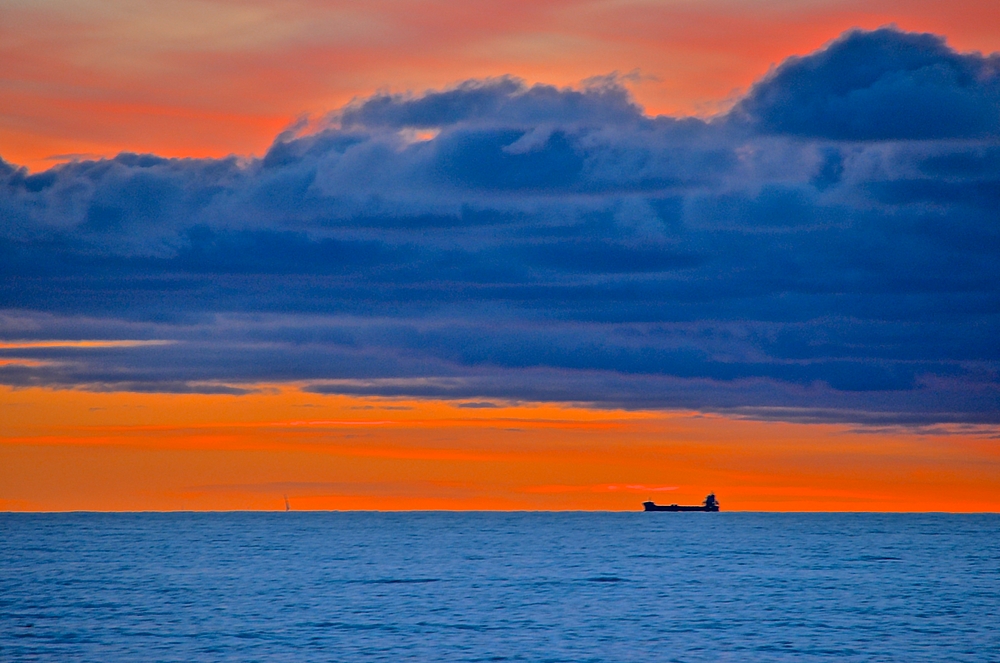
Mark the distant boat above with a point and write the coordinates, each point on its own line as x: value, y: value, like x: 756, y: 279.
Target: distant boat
x: 288, y: 507
x: 710, y: 504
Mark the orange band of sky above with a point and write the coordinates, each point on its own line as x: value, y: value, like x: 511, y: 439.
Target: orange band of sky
x: 78, y: 450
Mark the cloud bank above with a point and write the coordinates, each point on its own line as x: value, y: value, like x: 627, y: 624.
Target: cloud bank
x: 827, y: 251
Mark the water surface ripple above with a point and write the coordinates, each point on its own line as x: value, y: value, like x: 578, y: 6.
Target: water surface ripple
x: 499, y: 587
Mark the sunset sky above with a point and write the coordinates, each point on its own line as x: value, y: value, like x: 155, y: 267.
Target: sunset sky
x: 499, y: 255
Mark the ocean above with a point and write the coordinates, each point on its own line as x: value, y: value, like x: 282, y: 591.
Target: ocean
x: 434, y: 586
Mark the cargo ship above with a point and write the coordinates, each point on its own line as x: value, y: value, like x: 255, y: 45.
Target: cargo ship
x: 710, y: 504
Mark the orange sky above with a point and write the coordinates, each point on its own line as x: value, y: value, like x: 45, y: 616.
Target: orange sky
x: 215, y: 77
x: 69, y: 450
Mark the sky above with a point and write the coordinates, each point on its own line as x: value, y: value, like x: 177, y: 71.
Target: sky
x: 423, y: 255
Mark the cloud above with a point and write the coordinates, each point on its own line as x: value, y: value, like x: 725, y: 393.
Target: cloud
x: 807, y: 257
x: 601, y: 102
x: 883, y: 84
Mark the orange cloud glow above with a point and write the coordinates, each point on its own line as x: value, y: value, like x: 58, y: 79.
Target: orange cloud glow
x: 68, y: 450
x: 24, y: 345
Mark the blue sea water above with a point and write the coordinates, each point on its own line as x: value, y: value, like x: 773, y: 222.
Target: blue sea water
x: 499, y: 587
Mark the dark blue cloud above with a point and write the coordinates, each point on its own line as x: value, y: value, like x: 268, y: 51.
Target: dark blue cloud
x: 551, y: 244
x: 483, y: 102
x: 880, y: 85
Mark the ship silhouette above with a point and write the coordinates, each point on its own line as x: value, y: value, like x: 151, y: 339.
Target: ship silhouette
x: 710, y: 504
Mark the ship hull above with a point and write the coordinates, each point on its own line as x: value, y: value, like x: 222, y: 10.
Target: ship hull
x: 649, y: 506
